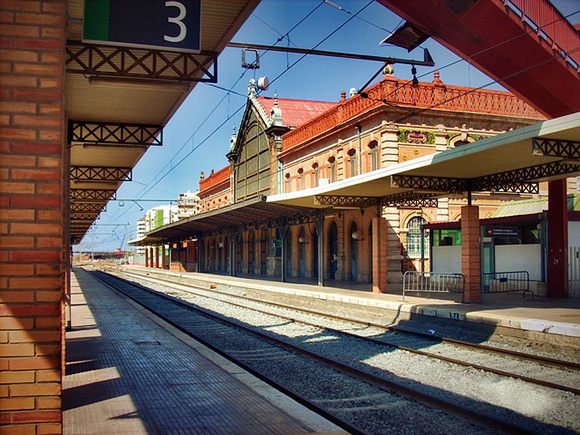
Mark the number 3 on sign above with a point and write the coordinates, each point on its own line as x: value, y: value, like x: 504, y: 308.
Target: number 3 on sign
x: 177, y: 20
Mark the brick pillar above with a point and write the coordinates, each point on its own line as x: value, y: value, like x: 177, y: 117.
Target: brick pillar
x: 379, y: 244
x: 471, y: 253
x: 33, y: 215
x: 557, y: 240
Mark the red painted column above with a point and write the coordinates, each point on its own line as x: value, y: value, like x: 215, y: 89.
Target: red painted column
x: 147, y: 257
x: 156, y: 251
x: 379, y: 255
x: 471, y: 254
x: 163, y: 257
x: 557, y: 240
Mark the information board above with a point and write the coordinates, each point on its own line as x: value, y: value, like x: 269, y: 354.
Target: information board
x: 168, y: 25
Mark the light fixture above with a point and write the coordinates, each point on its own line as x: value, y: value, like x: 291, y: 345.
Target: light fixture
x: 301, y: 239
x: 221, y: 244
x: 415, y: 80
x: 354, y: 235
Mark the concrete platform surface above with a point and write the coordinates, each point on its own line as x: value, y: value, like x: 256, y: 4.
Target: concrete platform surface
x: 551, y: 317
x: 129, y: 373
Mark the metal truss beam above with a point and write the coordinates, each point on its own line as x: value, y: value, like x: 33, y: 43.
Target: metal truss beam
x: 409, y: 199
x: 93, y: 173
x: 567, y: 149
x: 346, y: 201
x: 434, y: 184
x: 524, y: 175
x: 84, y: 207
x: 114, y: 133
x: 502, y: 183
x: 82, y: 217
x: 86, y: 195
x: 112, y: 61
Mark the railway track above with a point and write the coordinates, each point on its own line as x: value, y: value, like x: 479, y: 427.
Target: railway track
x: 536, y: 369
x: 492, y: 416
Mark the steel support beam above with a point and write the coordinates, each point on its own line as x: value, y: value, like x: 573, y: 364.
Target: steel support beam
x: 126, y: 62
x: 433, y: 184
x: 346, y: 201
x: 89, y: 195
x: 81, y: 217
x: 83, y: 207
x: 114, y: 133
x: 93, y: 173
x: 409, y: 199
x: 567, y: 149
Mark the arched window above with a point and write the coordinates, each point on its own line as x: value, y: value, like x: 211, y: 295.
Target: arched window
x: 352, y: 162
x: 287, y: 183
x: 332, y: 163
x: 374, y: 155
x: 301, y: 179
x: 315, y: 175
x: 414, y: 237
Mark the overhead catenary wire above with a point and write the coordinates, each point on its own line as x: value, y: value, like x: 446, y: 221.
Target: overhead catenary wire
x: 290, y: 66
x: 144, y: 191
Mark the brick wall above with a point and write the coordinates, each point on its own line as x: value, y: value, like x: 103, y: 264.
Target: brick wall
x: 32, y: 226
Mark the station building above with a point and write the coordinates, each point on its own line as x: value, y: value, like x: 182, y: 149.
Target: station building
x: 276, y: 156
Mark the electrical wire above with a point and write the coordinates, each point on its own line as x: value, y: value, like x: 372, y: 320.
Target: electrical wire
x: 330, y: 35
x: 144, y: 191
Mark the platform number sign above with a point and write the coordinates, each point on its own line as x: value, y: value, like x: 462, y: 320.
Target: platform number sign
x: 162, y: 24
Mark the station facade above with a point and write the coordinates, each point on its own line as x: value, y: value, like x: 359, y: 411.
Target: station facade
x: 284, y: 146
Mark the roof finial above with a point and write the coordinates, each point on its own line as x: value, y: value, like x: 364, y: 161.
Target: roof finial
x: 252, y: 88
x: 276, y: 112
x: 436, y: 78
x: 233, y: 139
x: 343, y: 96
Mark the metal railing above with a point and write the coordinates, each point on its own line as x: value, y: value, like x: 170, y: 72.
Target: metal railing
x: 433, y: 282
x: 504, y: 282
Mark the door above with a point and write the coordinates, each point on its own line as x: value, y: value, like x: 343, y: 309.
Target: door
x: 333, y: 250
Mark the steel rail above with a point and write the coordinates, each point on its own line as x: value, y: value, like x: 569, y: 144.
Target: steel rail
x: 513, y: 353
x: 300, y: 399
x: 375, y: 340
x: 424, y: 398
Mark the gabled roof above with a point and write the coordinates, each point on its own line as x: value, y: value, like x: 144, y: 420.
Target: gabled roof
x: 295, y: 112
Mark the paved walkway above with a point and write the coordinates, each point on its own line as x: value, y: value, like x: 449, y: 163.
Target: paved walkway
x: 128, y: 373
x: 553, y: 317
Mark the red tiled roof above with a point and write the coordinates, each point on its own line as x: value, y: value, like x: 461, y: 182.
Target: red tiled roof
x: 296, y: 112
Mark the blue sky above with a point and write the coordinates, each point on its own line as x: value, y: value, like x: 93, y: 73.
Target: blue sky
x: 197, y: 137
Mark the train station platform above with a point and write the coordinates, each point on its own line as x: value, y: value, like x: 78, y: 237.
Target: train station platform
x: 130, y: 373
x: 554, y: 321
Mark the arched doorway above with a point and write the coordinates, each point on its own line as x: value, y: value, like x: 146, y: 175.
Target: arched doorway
x: 264, y: 243
x: 333, y: 250
x: 315, y: 254
x: 354, y: 236
x: 239, y: 253
x: 370, y: 253
x: 251, y: 252
x: 288, y: 248
x: 301, y: 253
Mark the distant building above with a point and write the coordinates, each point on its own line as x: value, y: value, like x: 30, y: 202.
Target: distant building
x: 161, y: 215
x: 140, y: 234
x: 188, y: 204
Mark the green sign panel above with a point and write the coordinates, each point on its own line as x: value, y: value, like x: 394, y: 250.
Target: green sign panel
x: 168, y: 25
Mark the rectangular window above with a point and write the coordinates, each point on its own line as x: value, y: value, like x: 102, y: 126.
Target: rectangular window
x: 374, y: 159
x: 332, y: 171
x: 352, y: 166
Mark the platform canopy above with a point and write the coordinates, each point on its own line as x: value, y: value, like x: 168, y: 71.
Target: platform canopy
x: 511, y: 162
x: 119, y: 97
x: 251, y: 213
